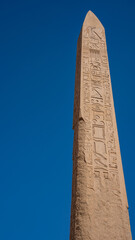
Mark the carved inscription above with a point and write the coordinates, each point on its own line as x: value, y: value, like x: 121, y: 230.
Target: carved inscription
x: 98, y: 132
x: 94, y: 36
x: 97, y: 103
x: 98, y: 195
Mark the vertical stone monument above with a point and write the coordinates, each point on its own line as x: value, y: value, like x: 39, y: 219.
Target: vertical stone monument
x: 99, y: 209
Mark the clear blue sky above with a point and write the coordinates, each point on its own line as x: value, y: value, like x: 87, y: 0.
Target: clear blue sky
x: 37, y: 70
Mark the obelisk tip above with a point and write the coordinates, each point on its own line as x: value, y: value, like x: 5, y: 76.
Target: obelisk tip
x: 92, y: 20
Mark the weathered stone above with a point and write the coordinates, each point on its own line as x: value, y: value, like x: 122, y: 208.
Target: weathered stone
x: 99, y: 208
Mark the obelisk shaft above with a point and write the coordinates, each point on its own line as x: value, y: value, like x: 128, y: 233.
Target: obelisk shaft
x: 99, y: 208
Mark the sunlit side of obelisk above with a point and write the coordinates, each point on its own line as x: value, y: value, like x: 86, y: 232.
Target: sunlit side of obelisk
x: 99, y: 209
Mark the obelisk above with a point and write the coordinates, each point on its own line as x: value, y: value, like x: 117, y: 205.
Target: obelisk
x: 99, y: 209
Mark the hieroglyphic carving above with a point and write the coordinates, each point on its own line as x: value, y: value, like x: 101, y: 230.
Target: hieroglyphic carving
x: 86, y: 84
x: 112, y: 160
x: 90, y: 39
x: 95, y: 54
x: 99, y: 91
x: 100, y: 158
x: 98, y: 118
x: 86, y: 112
x: 97, y: 198
x: 106, y: 86
x: 108, y: 114
x: 103, y: 46
x: 98, y: 132
x: 97, y: 102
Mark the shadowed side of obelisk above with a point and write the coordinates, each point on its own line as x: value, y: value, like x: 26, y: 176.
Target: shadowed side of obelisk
x: 99, y: 202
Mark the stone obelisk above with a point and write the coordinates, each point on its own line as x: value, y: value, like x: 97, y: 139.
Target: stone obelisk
x: 99, y: 209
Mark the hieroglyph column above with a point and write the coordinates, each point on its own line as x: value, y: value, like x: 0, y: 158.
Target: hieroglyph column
x: 99, y: 209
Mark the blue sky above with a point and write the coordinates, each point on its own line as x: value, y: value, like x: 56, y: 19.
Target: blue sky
x: 37, y: 70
